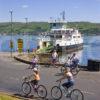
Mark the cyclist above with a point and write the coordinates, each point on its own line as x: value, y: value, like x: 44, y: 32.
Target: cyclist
x: 54, y: 57
x: 74, y: 60
x: 36, y: 78
x: 68, y: 62
x: 67, y: 75
x: 34, y: 61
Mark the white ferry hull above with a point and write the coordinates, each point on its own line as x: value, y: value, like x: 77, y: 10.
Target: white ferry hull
x: 70, y: 48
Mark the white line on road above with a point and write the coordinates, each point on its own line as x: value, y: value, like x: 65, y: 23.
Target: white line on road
x: 88, y: 92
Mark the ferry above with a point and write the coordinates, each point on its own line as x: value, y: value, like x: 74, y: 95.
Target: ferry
x: 61, y: 37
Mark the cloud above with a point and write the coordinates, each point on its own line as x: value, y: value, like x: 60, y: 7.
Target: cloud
x: 24, y: 6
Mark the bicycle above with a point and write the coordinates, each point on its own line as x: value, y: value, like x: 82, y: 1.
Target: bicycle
x: 74, y: 70
x: 58, y: 91
x: 52, y: 63
x: 28, y: 85
x: 32, y: 66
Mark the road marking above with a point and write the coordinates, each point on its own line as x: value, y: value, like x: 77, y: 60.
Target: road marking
x: 88, y: 92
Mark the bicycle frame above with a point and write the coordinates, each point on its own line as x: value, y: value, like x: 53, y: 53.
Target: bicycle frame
x: 64, y: 88
x: 69, y: 92
x: 33, y: 85
x: 26, y: 79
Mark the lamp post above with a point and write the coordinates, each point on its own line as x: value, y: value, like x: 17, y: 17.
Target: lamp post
x: 26, y: 20
x: 11, y: 42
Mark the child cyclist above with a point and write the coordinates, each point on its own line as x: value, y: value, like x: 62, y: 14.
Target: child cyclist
x: 54, y: 57
x: 67, y: 75
x: 36, y: 78
x: 72, y: 62
x: 34, y: 61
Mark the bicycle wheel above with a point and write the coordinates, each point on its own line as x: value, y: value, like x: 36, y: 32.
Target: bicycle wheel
x: 42, y: 91
x: 76, y: 95
x: 26, y: 88
x: 56, y: 93
x: 75, y: 70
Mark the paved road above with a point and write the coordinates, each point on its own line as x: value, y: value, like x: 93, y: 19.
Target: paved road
x: 11, y: 73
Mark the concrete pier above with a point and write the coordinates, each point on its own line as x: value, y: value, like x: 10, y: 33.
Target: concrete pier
x: 93, y: 65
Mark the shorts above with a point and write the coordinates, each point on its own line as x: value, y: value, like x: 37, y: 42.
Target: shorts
x: 54, y: 60
x: 35, y: 82
x: 68, y: 84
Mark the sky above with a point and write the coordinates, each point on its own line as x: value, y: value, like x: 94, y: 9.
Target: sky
x: 42, y: 10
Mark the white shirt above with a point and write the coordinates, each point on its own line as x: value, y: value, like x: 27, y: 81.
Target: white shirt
x: 54, y: 55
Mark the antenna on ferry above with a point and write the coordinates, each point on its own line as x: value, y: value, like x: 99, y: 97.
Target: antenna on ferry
x: 51, y: 19
x: 63, y: 15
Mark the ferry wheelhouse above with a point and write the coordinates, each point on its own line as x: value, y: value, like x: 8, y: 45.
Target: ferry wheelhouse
x: 67, y: 38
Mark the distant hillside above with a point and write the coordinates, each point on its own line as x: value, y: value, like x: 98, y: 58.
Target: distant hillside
x: 18, y: 27
x: 37, y: 27
x: 86, y: 27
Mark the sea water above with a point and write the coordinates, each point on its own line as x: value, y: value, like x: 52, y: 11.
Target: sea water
x: 90, y: 49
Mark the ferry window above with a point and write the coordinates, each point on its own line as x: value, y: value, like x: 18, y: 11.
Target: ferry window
x: 63, y: 31
x: 50, y: 25
x: 44, y: 44
x: 74, y: 36
x: 58, y: 36
x: 78, y: 36
x: 67, y: 31
x: 54, y: 24
x: 59, y: 31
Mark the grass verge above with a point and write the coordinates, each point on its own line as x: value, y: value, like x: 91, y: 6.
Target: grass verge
x: 4, y: 96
